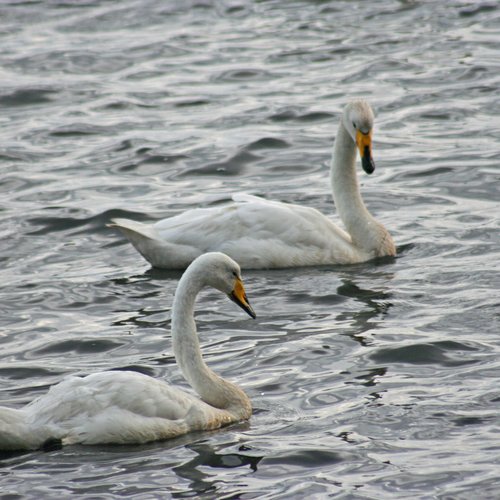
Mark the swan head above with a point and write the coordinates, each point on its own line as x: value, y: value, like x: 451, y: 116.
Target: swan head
x: 224, y: 274
x: 358, y: 120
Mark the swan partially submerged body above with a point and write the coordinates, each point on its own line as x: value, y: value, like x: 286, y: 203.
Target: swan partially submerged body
x: 121, y: 407
x: 268, y: 234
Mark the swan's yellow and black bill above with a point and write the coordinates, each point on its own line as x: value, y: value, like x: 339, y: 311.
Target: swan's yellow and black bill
x: 239, y: 296
x: 364, y: 143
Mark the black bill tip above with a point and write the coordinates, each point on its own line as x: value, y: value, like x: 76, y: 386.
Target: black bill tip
x: 243, y: 304
x: 367, y: 161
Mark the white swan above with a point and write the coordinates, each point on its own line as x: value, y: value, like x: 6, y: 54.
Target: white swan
x: 267, y: 234
x: 128, y: 407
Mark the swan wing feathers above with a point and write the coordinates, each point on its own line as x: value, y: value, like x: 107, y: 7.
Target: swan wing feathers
x: 84, y: 397
x: 258, y: 233
x: 111, y: 407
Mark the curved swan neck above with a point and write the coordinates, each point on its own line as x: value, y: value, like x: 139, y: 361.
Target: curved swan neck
x: 366, y: 233
x: 184, y: 335
x: 344, y: 179
x: 212, y: 389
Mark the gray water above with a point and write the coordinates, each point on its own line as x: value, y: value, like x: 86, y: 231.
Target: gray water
x: 373, y: 381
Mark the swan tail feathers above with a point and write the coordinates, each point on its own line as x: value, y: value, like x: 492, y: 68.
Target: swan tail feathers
x: 133, y: 229
x: 149, y: 243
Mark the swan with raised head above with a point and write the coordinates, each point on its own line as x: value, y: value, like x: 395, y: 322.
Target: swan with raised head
x: 119, y: 407
x: 268, y: 234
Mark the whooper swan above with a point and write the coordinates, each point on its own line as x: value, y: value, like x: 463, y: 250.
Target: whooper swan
x: 129, y: 407
x: 269, y: 234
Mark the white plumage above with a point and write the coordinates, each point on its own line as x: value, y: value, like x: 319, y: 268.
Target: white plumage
x: 268, y: 234
x: 128, y: 407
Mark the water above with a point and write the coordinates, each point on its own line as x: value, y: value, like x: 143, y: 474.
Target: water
x: 377, y: 380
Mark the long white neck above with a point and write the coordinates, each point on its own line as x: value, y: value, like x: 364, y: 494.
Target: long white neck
x: 212, y: 389
x: 360, y: 224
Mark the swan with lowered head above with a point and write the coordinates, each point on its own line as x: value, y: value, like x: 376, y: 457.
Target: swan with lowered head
x: 268, y: 234
x: 119, y: 407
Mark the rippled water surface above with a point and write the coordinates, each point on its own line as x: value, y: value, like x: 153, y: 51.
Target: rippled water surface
x: 377, y: 380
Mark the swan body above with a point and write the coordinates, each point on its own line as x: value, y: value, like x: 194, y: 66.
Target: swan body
x: 120, y: 407
x: 268, y: 234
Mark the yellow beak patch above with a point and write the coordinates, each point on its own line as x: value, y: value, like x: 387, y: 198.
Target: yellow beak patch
x: 239, y: 296
x: 364, y: 143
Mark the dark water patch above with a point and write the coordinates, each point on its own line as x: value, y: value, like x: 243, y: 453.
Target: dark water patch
x: 234, y: 165
x: 144, y: 157
x: 470, y: 218
x: 429, y: 172
x: 191, y: 103
x: 148, y: 100
x: 163, y: 158
x: 471, y: 73
x: 56, y: 224
x: 294, y: 114
x: 466, y: 421
x: 237, y: 11
x: 383, y: 65
x: 237, y: 75
x: 301, y: 55
x: 445, y: 114
x: 26, y: 373
x: 384, y: 261
x: 371, y: 377
x: 78, y: 129
x: 267, y: 143
x: 405, y: 249
x: 306, y: 458
x: 121, y: 105
x: 162, y: 274
x: 27, y: 97
x: 151, y: 164
x: 316, y: 116
x: 80, y: 346
x: 273, y: 388
x: 475, y: 8
x: 326, y: 299
x: 146, y: 75
x: 427, y: 353
x: 352, y: 290
x: 127, y: 144
x: 97, y: 222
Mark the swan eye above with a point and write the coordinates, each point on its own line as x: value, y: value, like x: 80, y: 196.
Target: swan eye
x: 354, y: 125
x: 235, y: 274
